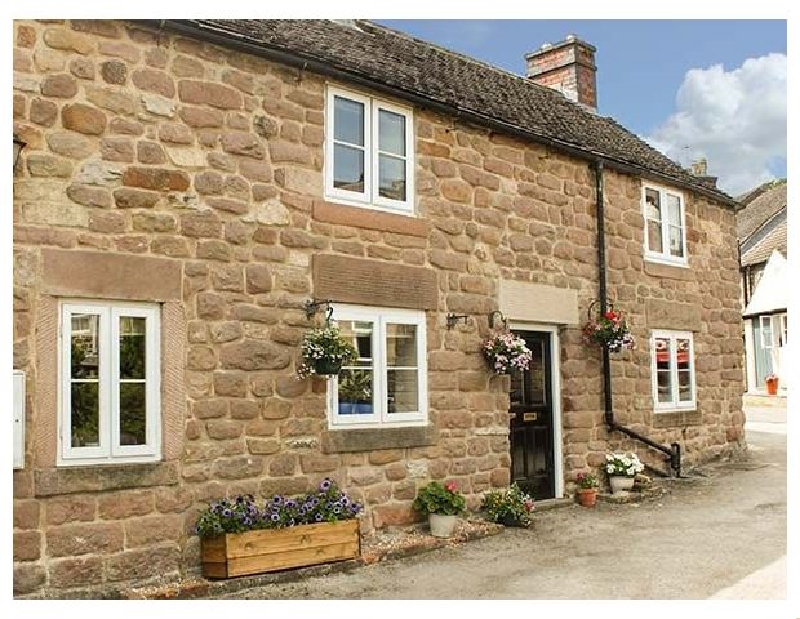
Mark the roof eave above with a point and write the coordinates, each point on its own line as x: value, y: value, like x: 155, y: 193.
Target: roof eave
x: 240, y: 43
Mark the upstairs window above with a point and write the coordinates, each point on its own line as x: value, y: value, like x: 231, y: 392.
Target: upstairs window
x: 110, y: 409
x: 665, y: 225
x: 368, y: 152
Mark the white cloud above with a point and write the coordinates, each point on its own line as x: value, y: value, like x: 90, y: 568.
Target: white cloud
x: 735, y: 119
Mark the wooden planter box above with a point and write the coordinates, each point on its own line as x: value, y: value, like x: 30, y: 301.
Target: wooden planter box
x: 269, y: 550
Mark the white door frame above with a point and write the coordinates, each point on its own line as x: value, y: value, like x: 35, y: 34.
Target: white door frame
x: 555, y: 390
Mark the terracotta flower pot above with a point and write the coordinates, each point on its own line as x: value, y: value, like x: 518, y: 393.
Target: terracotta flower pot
x: 772, y: 385
x: 587, y: 497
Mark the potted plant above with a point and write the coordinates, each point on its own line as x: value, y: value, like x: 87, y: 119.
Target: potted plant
x: 509, y: 506
x: 587, y: 489
x: 772, y: 384
x: 609, y: 329
x: 506, y: 352
x: 355, y: 392
x: 442, y: 504
x: 621, y: 469
x: 243, y: 536
x: 324, y: 352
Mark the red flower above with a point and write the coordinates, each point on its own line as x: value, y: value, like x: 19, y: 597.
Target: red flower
x: 451, y: 486
x: 610, y: 315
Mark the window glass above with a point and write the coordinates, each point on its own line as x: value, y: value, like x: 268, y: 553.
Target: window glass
x: 133, y: 387
x: 355, y: 385
x: 675, y: 242
x: 684, y: 370
x: 348, y: 168
x: 348, y: 122
x: 664, y: 230
x: 391, y: 177
x: 401, y: 368
x: 392, y: 133
x: 85, y: 380
x: 663, y: 369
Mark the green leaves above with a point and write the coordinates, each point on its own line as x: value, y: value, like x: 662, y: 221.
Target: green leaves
x: 436, y: 498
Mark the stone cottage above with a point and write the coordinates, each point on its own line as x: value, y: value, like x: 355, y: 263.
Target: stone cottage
x: 193, y: 195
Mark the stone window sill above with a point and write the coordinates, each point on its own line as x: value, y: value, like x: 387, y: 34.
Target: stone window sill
x: 102, y: 478
x: 374, y: 439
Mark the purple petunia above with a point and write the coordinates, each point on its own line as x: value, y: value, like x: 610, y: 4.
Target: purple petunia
x: 337, y: 509
x: 277, y: 500
x: 275, y: 517
x: 227, y: 512
x: 325, y: 485
x: 318, y: 517
x: 291, y: 503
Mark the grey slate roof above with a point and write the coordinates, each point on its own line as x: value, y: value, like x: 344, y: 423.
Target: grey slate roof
x: 759, y: 206
x: 762, y: 250
x: 384, y: 56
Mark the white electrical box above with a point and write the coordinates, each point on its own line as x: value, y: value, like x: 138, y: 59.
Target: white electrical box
x: 19, y: 419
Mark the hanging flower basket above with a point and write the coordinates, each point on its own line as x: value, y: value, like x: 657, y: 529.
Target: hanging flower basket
x: 325, y: 351
x: 609, y: 329
x: 506, y: 352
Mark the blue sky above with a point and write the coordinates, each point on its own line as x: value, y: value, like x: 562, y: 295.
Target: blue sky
x: 730, y: 114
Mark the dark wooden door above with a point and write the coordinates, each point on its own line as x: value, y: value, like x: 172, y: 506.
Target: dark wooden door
x: 532, y: 460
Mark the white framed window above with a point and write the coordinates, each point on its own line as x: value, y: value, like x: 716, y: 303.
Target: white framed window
x: 664, y: 225
x: 387, y: 384
x: 773, y: 331
x: 110, y: 388
x: 673, y: 370
x: 369, y: 152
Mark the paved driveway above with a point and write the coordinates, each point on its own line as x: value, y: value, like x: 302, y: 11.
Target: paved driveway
x: 709, y: 536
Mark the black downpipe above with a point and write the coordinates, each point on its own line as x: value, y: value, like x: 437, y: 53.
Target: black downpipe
x: 674, y: 451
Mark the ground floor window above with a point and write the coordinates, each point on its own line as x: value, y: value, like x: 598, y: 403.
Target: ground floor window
x: 769, y: 339
x: 387, y: 383
x: 673, y: 370
x: 110, y: 405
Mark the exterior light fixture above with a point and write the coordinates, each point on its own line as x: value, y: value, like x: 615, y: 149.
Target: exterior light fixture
x: 18, y: 146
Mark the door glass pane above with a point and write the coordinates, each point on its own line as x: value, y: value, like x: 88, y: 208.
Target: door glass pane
x: 348, y: 121
x: 535, y: 376
x: 784, y: 327
x: 763, y: 356
x: 401, y: 391
x: 517, y: 395
x: 654, y: 241
x: 664, y: 376
x: 84, y: 345
x: 132, y: 347
x: 684, y: 370
x: 392, y: 133
x: 391, y: 178
x: 132, y: 413
x: 673, y: 210
x: 355, y: 383
x: 85, y: 414
x: 348, y: 168
x: 766, y: 329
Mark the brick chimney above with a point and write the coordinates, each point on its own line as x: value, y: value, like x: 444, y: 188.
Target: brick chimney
x: 567, y: 67
x: 699, y: 169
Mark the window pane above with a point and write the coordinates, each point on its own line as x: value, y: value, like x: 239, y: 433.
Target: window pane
x: 355, y: 392
x: 348, y: 121
x: 132, y: 413
x: 132, y: 347
x: 673, y: 210
x: 664, y: 376
x: 392, y: 178
x: 652, y: 205
x: 360, y: 335
x: 766, y: 327
x: 685, y: 386
x: 392, y: 133
x: 401, y: 345
x: 654, y: 242
x: 84, y: 345
x: 85, y: 411
x: 684, y: 370
x: 401, y: 391
x: 675, y: 242
x: 762, y: 355
x: 535, y: 376
x: 348, y: 168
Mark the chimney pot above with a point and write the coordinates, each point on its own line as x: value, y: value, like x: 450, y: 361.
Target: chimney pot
x: 567, y: 67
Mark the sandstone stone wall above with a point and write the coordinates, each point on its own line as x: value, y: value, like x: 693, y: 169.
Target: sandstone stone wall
x: 145, y: 144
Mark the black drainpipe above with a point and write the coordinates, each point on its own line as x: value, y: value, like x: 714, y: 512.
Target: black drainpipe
x: 674, y: 451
